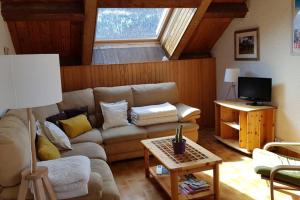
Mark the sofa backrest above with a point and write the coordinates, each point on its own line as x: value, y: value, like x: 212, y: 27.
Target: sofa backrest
x: 151, y: 94
x: 110, y: 95
x: 14, y: 148
x: 41, y: 113
x: 136, y: 95
x: 79, y: 98
x: 20, y: 114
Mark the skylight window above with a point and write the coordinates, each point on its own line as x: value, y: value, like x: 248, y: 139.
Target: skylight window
x: 130, y: 23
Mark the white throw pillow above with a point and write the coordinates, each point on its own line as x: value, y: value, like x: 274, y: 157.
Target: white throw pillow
x: 57, y: 136
x: 114, y: 114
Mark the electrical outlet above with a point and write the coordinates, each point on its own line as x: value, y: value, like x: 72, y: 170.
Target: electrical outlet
x: 278, y: 139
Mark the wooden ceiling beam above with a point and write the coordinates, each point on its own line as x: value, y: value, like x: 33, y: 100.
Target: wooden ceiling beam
x: 41, y: 1
x: 226, y: 10
x: 192, y: 27
x: 14, y: 11
x: 90, y: 12
x: 149, y: 3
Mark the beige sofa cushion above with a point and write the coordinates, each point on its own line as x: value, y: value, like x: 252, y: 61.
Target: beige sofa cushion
x: 41, y: 113
x: 111, y: 95
x: 123, y: 133
x: 186, y: 113
x: 123, y: 147
x: 93, y: 135
x: 110, y: 190
x: 20, y: 114
x: 11, y: 193
x: 88, y: 149
x: 77, y: 99
x: 14, y: 150
x: 161, y: 130
x: 151, y: 94
x: 95, y: 187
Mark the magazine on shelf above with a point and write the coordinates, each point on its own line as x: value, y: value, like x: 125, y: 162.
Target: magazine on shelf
x: 161, y: 170
x: 192, y: 185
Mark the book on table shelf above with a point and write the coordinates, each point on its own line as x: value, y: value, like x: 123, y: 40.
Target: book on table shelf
x: 192, y: 185
x: 161, y: 170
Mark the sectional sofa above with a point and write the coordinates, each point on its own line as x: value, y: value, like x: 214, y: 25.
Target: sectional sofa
x: 99, y: 145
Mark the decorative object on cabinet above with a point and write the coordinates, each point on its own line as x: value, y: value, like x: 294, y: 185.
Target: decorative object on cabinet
x: 231, y: 76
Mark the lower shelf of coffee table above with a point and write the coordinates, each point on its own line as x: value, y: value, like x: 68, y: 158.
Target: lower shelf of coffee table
x: 164, y: 182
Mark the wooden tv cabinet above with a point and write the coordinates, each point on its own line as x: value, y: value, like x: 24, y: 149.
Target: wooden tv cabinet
x: 242, y: 126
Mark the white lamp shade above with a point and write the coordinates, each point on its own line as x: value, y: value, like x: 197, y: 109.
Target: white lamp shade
x: 28, y: 81
x: 231, y: 75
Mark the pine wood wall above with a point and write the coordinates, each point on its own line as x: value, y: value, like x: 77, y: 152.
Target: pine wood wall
x: 196, y: 80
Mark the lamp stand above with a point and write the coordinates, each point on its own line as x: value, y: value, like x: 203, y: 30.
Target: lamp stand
x: 37, y: 176
x: 232, y: 87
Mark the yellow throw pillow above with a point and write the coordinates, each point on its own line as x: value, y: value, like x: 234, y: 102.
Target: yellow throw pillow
x: 76, y: 126
x: 46, y: 150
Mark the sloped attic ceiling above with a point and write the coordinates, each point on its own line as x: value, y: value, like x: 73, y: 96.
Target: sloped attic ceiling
x: 67, y: 26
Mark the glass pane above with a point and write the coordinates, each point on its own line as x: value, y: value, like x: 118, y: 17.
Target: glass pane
x: 129, y: 23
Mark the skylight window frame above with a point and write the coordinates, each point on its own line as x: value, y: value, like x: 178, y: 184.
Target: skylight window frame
x: 162, y: 27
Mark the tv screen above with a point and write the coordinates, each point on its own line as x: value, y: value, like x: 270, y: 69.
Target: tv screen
x: 255, y: 89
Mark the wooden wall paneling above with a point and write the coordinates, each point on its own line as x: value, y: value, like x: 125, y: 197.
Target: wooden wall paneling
x: 209, y: 80
x: 34, y: 36
x: 45, y: 34
x: 217, y: 120
x: 226, y: 10
x: 76, y: 38
x: 90, y: 13
x: 62, y: 37
x: 23, y: 37
x: 55, y: 36
x: 206, y: 35
x: 14, y: 35
x: 196, y: 80
x: 191, y: 28
x: 76, y: 77
x: 39, y: 11
x: 65, y: 27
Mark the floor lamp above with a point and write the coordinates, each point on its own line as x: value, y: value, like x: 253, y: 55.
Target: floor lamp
x: 231, y: 76
x: 28, y: 81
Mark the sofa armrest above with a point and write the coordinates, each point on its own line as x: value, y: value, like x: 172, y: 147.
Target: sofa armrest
x: 187, y: 113
x: 95, y: 185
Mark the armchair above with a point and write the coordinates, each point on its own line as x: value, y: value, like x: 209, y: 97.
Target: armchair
x: 278, y: 168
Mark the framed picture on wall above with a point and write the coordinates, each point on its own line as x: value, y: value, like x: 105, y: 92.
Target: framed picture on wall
x: 296, y: 28
x: 246, y: 44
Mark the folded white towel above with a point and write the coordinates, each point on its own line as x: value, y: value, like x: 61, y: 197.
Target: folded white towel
x: 153, y: 111
x: 157, y: 120
x: 69, y: 176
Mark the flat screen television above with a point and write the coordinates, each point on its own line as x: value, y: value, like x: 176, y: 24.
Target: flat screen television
x: 255, y: 89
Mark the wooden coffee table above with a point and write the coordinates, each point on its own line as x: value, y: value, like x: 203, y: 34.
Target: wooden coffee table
x: 194, y: 160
